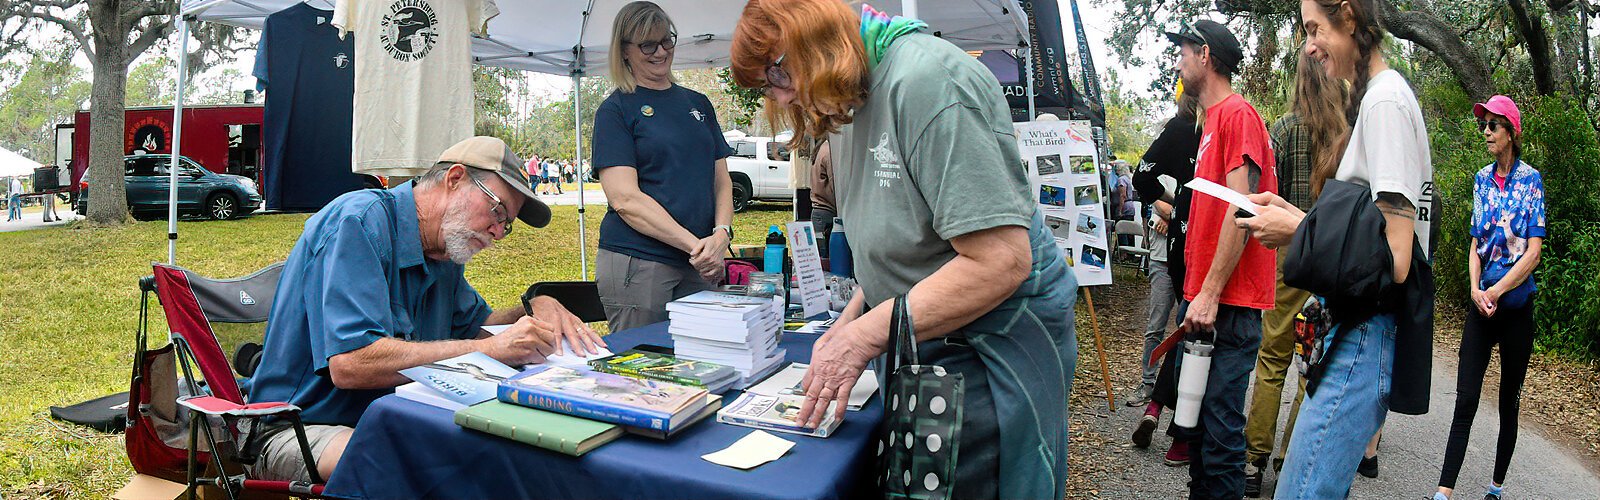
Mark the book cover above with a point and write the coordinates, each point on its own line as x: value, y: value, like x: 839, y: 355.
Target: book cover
x: 718, y: 305
x: 607, y: 397
x: 552, y: 431
x: 787, y: 382
x: 465, y: 380
x: 773, y: 413
x: 635, y: 363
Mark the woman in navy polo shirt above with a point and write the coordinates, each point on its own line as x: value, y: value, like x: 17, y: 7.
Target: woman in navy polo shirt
x: 662, y: 163
x: 1507, y: 234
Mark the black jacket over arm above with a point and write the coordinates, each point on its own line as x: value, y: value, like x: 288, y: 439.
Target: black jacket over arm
x: 1341, y: 253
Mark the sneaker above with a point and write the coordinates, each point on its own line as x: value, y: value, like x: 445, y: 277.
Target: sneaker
x: 1147, y: 426
x: 1494, y: 492
x: 1142, y: 395
x: 1252, y: 478
x: 1368, y: 467
x: 1178, y: 454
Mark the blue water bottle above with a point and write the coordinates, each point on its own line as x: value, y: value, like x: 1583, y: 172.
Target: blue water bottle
x: 839, y: 251
x: 772, y: 259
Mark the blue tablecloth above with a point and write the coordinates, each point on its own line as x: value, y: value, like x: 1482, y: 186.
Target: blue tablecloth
x: 404, y: 449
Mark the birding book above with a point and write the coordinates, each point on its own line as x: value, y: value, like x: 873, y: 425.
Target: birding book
x: 607, y: 397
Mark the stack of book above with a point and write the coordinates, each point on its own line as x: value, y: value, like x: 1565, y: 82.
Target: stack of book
x: 642, y: 406
x: 726, y: 329
x: 636, y: 363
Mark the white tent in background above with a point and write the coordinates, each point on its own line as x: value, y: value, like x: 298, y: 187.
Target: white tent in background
x: 13, y: 164
x: 573, y: 37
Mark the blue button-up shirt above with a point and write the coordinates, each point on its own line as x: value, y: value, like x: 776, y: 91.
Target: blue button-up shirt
x: 1505, y: 218
x: 356, y: 275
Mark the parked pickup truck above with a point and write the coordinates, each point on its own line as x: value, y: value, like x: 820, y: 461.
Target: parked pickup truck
x: 760, y: 169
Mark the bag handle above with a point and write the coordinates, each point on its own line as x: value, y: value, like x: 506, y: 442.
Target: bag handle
x: 901, y: 331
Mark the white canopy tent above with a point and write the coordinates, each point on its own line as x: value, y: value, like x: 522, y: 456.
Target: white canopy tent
x: 14, y: 165
x: 572, y: 37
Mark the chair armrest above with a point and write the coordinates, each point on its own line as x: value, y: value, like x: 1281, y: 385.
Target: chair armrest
x: 212, y: 405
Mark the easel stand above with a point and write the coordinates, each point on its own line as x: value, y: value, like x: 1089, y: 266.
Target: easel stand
x: 1105, y: 373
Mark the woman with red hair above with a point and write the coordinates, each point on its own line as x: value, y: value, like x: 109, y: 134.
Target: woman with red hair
x: 928, y: 178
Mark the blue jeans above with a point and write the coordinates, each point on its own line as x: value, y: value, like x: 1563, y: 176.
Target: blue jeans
x: 1336, y: 422
x: 1217, y: 467
x: 15, y: 212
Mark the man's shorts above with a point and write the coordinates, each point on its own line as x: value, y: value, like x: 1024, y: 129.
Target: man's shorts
x: 281, y: 459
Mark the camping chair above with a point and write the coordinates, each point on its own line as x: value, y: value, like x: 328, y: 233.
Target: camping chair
x: 581, y: 298
x: 192, y: 302
x: 1138, y: 251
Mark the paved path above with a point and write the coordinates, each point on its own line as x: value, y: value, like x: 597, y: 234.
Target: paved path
x: 33, y: 218
x: 1409, y: 458
x: 570, y: 197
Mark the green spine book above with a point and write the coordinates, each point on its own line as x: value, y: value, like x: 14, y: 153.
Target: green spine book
x: 552, y: 431
x: 655, y: 366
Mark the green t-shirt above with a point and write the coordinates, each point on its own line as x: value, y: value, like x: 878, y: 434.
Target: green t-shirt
x: 931, y: 155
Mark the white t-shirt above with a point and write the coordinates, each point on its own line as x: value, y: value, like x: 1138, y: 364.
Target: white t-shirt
x: 1388, y: 149
x: 413, y: 79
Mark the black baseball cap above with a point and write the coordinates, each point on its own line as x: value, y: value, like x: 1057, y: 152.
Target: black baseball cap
x: 1205, y: 32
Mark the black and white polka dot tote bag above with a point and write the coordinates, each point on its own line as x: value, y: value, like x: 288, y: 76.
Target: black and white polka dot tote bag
x: 920, y: 435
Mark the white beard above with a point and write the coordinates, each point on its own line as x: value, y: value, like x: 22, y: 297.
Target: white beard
x: 459, y: 237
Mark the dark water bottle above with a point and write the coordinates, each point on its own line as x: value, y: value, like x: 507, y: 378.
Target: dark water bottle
x: 839, y: 251
x: 772, y: 259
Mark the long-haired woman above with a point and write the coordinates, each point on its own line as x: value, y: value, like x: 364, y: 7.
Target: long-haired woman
x: 1387, y: 151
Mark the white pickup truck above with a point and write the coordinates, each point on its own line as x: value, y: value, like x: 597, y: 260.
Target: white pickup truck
x: 759, y: 168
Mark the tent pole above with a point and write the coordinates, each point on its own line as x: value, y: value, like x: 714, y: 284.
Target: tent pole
x: 1028, y: 62
x: 577, y: 156
x: 908, y: 8
x: 177, y: 143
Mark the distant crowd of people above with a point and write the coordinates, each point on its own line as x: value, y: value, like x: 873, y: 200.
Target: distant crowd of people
x: 551, y: 173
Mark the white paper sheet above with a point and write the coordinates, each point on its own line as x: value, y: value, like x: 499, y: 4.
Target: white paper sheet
x: 1223, y: 193
x: 755, y: 448
x: 567, y: 357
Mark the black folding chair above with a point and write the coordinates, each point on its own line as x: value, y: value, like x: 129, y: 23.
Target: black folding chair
x: 581, y: 298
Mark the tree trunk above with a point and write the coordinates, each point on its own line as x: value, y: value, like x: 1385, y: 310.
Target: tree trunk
x: 1537, y: 41
x: 1427, y: 30
x: 108, y: 203
x: 1568, y: 44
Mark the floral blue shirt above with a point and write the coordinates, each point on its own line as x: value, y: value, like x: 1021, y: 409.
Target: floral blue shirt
x: 1503, y: 219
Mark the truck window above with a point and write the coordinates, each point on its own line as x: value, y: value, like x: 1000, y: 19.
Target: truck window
x: 744, y: 149
x: 777, y: 151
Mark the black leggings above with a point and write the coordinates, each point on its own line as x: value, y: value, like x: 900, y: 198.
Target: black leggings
x: 1513, y: 330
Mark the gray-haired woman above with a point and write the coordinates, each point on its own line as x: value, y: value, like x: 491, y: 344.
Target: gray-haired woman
x: 662, y: 163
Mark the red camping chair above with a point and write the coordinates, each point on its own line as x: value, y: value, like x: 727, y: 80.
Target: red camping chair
x: 192, y: 302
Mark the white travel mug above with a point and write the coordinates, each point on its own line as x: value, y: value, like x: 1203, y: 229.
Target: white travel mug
x: 1192, y: 382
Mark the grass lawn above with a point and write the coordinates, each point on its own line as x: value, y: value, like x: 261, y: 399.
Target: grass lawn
x: 69, y: 309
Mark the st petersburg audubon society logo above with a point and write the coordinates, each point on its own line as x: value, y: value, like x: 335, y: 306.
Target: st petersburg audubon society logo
x: 409, y: 29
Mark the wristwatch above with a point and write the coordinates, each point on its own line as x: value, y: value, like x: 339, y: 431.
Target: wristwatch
x: 727, y: 228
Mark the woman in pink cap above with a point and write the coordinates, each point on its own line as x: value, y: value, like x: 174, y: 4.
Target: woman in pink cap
x: 1507, y: 233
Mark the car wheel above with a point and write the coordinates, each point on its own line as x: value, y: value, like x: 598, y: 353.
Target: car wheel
x: 741, y: 195
x: 221, y: 206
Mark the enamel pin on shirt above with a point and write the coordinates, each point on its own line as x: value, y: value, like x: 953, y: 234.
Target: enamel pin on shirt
x: 647, y: 110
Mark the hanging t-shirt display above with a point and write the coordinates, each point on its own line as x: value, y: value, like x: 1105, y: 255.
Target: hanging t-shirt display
x: 309, y: 76
x: 413, y: 90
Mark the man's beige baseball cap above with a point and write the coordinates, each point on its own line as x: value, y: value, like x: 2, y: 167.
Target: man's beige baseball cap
x: 492, y: 154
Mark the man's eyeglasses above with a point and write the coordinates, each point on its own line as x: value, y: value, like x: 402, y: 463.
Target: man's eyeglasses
x: 501, y: 213
x: 1489, y: 125
x: 649, y: 48
x: 777, y: 78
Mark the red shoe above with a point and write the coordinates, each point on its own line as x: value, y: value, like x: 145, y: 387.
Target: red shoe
x: 1147, y: 425
x: 1178, y: 454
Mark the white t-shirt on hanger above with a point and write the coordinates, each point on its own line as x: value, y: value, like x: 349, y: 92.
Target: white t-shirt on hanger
x: 413, y: 79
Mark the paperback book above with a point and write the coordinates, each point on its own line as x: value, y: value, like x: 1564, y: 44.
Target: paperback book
x: 773, y: 413
x: 549, y: 430
x: 455, y: 383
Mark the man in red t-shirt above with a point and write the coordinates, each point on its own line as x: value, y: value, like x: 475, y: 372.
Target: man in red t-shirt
x: 1229, y: 279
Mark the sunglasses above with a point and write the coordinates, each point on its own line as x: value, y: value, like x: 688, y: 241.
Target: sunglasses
x: 649, y: 48
x: 1490, y: 125
x: 777, y: 78
x: 501, y: 213
x: 1188, y: 30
